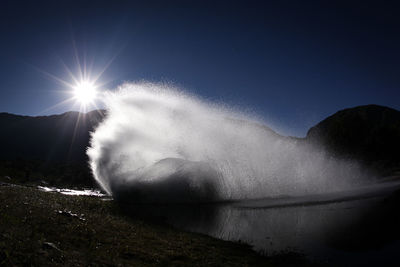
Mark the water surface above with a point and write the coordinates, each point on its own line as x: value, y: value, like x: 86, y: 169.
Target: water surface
x: 358, y: 227
x: 347, y: 228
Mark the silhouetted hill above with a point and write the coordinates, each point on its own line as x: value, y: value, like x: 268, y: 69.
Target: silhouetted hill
x: 56, y: 138
x: 368, y: 133
x: 50, y: 149
x: 53, y: 148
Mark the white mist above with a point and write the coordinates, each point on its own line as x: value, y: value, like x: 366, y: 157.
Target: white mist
x: 158, y: 143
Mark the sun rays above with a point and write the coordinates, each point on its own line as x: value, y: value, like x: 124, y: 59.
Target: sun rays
x: 83, y: 87
x: 84, y: 84
x: 85, y: 92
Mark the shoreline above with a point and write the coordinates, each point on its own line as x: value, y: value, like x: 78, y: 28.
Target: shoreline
x: 47, y: 229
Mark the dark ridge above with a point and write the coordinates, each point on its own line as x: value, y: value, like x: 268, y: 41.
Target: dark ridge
x: 55, y: 138
x: 50, y: 149
x: 368, y: 133
x: 53, y: 148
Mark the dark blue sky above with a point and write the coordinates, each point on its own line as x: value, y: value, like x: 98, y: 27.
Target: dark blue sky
x: 292, y: 62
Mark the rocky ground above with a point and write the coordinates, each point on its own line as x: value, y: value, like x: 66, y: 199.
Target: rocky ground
x: 49, y: 229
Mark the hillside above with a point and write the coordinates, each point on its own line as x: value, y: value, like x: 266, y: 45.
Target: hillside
x: 53, y: 148
x: 368, y: 133
x: 49, y: 149
x: 56, y: 138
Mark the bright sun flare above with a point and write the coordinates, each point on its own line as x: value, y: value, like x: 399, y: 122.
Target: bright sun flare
x: 85, y: 92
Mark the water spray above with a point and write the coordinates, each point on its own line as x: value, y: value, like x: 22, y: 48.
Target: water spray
x: 160, y: 144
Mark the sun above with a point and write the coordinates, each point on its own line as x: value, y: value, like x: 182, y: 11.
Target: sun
x: 85, y: 92
x: 85, y: 88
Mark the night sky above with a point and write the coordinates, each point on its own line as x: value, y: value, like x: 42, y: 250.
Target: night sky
x: 292, y: 62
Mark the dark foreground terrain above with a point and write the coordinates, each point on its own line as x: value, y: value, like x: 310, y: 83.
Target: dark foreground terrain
x: 48, y: 229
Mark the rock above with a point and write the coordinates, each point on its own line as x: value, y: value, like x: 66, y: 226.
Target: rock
x: 51, y: 245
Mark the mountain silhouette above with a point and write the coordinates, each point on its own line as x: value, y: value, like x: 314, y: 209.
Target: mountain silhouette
x: 55, y: 146
x: 370, y: 134
x: 56, y: 138
x: 47, y: 149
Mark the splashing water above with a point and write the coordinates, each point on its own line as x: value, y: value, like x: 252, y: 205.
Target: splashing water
x: 158, y: 143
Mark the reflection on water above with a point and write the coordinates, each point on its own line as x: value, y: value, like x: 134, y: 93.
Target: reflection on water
x: 73, y: 192
x: 363, y: 231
